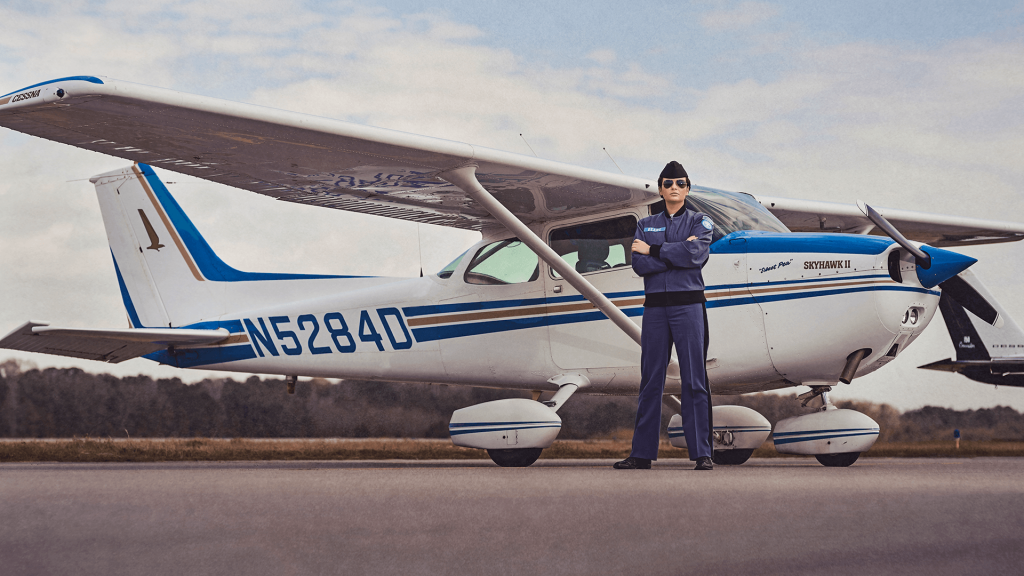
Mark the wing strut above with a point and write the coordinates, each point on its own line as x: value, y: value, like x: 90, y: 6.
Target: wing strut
x: 465, y: 179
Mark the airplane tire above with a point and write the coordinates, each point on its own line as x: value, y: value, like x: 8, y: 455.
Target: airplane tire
x: 731, y: 457
x: 840, y: 460
x: 515, y: 457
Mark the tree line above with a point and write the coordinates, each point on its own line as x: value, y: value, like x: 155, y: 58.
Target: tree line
x: 68, y: 402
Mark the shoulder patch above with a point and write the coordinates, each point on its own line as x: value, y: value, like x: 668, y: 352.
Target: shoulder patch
x: 707, y: 223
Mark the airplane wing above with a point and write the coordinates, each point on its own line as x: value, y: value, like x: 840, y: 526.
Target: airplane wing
x: 308, y: 159
x: 323, y: 162
x: 932, y: 229
x: 112, y: 346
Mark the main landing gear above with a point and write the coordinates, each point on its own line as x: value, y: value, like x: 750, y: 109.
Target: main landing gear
x: 831, y: 460
x: 738, y: 431
x: 514, y: 431
x: 835, y: 437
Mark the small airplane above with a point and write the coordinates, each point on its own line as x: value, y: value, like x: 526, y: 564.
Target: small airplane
x: 799, y: 293
x: 995, y: 358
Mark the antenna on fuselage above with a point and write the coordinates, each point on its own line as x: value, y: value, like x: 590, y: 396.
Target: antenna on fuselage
x: 613, y: 161
x: 419, y: 247
x: 528, y: 145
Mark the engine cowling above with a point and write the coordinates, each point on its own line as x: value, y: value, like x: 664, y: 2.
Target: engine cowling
x: 511, y: 423
x: 836, y: 431
x: 736, y: 428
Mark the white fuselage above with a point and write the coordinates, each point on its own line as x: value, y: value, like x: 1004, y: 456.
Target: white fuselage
x: 783, y: 310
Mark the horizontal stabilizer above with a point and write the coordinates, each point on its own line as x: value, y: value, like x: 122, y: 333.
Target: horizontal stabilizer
x: 998, y: 371
x: 104, y: 345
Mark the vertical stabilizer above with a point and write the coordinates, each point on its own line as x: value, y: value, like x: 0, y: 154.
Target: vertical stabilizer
x: 966, y: 341
x: 161, y: 283
x: 169, y: 275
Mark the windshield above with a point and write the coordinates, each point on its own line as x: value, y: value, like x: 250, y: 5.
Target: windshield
x: 732, y: 212
x: 503, y: 262
x: 447, y: 271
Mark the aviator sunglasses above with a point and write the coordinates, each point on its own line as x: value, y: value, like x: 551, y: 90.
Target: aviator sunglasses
x: 668, y: 183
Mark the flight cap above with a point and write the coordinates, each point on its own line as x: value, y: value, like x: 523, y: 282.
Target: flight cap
x: 673, y: 170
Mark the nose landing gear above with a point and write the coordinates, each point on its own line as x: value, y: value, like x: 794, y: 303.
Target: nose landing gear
x: 834, y: 436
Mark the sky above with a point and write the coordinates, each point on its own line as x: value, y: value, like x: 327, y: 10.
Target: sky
x: 912, y: 105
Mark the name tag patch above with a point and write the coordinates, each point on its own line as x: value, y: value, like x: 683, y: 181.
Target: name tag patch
x: 662, y: 229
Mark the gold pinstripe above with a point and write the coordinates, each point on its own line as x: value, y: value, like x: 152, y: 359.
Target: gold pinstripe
x: 622, y: 303
x: 167, y: 224
x: 531, y: 311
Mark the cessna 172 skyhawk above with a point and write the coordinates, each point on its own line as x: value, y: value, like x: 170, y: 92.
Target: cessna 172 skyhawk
x: 545, y: 302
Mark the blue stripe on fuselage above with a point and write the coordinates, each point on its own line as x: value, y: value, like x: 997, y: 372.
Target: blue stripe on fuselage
x: 432, y: 333
x: 755, y: 242
x: 191, y: 357
x: 412, y: 311
x: 833, y: 278
x: 232, y: 326
x: 781, y: 297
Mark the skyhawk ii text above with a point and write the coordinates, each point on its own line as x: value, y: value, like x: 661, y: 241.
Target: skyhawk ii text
x: 826, y: 264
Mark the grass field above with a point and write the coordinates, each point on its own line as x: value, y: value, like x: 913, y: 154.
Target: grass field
x: 207, y: 449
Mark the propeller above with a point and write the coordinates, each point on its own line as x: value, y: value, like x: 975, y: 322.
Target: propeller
x: 922, y: 257
x: 935, y: 265
x: 953, y: 285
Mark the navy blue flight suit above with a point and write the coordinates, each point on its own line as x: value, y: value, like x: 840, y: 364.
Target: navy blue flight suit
x: 674, y: 313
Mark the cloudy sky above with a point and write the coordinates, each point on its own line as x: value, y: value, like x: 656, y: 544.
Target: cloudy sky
x: 913, y: 105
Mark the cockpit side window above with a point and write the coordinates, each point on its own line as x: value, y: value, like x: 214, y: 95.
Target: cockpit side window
x: 595, y: 246
x: 503, y: 262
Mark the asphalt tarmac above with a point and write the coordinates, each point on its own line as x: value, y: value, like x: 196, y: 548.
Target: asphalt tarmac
x: 772, y: 516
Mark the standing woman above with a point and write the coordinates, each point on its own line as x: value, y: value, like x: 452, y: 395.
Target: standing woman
x: 669, y: 250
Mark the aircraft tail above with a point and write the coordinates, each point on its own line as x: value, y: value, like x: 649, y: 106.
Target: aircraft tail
x: 169, y: 275
x: 161, y: 260
x: 176, y: 290
x: 989, y: 344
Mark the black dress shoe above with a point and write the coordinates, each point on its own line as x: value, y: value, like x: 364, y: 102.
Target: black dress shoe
x: 632, y: 463
x: 704, y: 463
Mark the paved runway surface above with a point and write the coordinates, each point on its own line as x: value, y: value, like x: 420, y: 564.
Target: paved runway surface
x: 881, y: 516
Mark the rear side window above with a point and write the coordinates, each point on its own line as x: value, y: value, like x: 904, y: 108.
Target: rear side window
x: 503, y: 262
x: 595, y: 246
